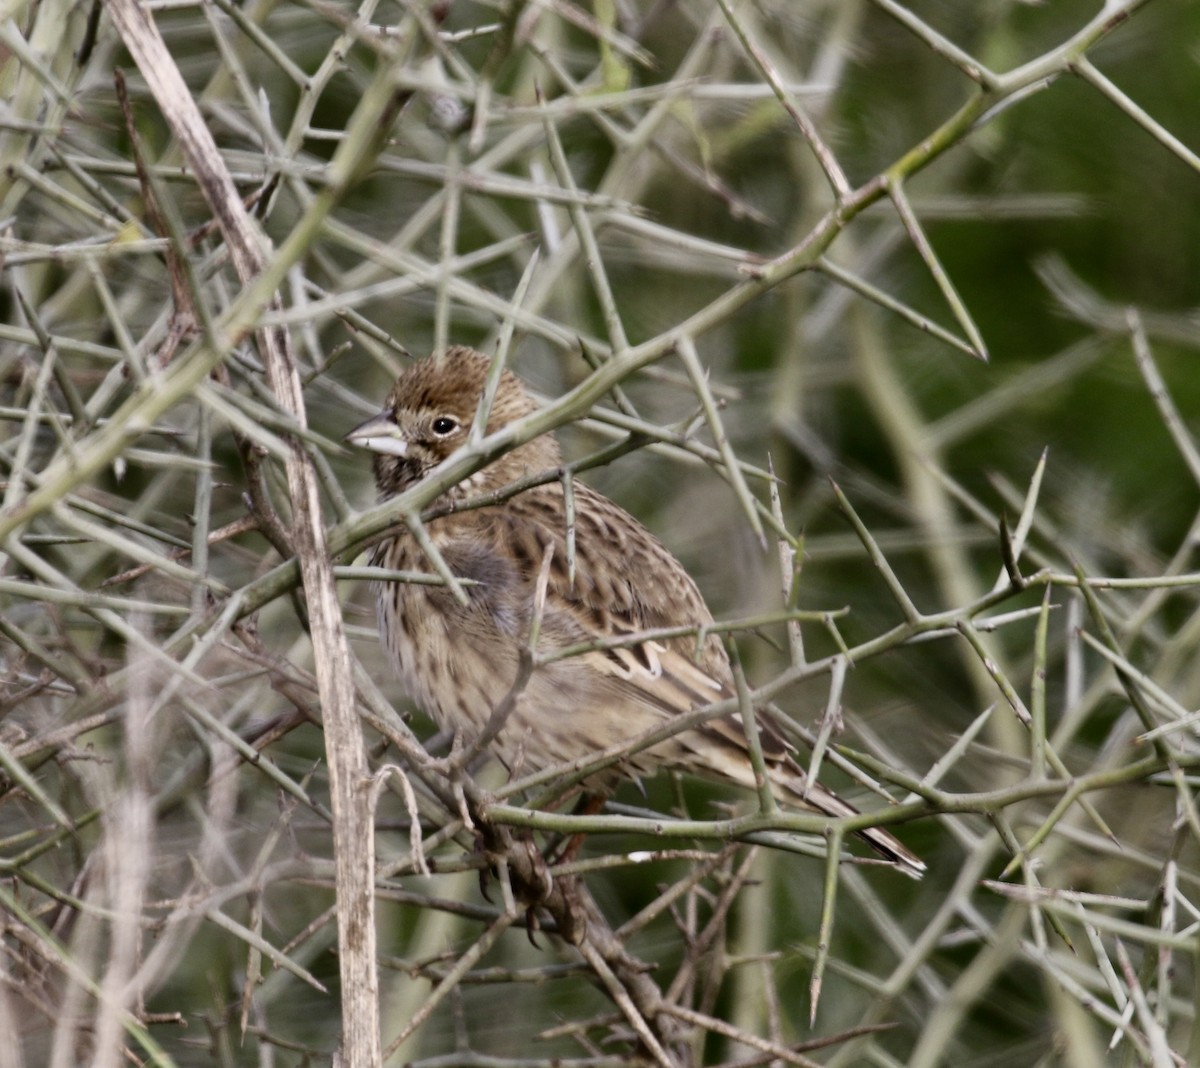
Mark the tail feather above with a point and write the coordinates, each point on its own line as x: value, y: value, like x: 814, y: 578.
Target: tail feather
x: 793, y: 782
x: 719, y: 752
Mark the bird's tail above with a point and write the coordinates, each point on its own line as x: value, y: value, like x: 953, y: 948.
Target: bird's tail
x: 793, y: 788
x: 790, y: 785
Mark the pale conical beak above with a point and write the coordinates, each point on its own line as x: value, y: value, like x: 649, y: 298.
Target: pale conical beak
x: 379, y: 434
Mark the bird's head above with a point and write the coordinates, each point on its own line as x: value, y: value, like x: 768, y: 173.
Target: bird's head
x: 428, y: 416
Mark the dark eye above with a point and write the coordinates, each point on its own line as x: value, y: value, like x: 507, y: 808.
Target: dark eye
x: 444, y: 425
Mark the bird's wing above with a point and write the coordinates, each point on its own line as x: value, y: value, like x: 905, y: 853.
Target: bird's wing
x: 624, y: 584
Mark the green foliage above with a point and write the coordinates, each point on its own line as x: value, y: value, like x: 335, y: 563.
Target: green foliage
x: 936, y: 175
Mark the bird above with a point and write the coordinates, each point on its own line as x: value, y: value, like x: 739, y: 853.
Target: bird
x: 459, y: 653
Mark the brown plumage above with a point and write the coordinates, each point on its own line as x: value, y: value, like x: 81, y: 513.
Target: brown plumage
x: 458, y: 662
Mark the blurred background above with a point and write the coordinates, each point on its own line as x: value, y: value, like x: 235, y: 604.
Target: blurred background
x: 1009, y: 180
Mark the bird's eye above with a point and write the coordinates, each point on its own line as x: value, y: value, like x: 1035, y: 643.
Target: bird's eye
x: 444, y: 425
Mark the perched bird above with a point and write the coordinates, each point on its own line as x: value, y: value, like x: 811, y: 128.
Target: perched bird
x: 460, y: 661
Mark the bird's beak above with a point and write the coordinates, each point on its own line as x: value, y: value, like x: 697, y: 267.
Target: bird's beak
x: 379, y: 434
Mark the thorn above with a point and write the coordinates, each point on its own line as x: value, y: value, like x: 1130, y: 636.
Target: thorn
x: 1009, y: 556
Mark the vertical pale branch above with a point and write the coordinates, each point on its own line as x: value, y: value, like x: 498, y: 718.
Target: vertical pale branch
x: 348, y: 772
x: 129, y: 852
